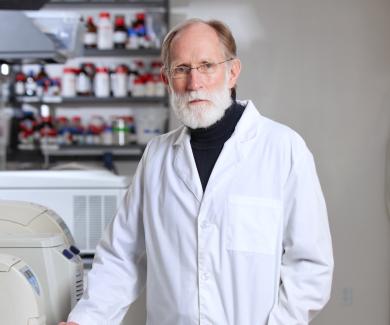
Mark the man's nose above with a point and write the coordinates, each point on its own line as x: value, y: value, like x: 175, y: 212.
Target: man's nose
x: 194, y: 80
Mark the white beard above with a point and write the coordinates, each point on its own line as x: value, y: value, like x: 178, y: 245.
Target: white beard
x: 201, y: 115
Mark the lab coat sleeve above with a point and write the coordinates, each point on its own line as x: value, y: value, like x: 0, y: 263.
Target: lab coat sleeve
x: 307, y: 259
x: 118, y: 274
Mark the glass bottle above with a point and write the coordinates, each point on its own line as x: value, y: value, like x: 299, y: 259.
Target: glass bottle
x: 120, y: 33
x: 90, y: 36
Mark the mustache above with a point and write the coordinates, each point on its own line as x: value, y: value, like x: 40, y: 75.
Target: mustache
x: 196, y: 95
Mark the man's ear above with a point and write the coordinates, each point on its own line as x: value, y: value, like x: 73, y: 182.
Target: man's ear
x: 235, y: 69
x: 164, y: 76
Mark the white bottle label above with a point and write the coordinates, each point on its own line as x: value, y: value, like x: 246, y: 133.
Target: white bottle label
x: 83, y: 83
x: 120, y: 89
x: 120, y: 37
x: 102, y: 85
x: 90, y: 38
x: 19, y: 88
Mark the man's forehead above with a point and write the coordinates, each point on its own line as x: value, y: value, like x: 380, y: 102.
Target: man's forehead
x: 197, y: 41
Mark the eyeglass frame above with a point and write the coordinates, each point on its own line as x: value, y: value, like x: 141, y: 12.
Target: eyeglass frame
x: 188, y: 69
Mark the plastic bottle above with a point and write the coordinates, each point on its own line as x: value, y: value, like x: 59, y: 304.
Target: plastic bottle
x: 69, y: 82
x: 83, y: 83
x: 120, y: 87
x: 120, y: 131
x: 102, y: 82
x: 120, y: 33
x: 90, y: 36
x: 20, y: 80
x: 105, y: 32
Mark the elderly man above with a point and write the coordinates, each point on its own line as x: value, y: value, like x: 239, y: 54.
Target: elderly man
x: 225, y: 222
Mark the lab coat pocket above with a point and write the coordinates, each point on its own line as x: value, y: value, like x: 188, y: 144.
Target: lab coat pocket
x: 253, y: 224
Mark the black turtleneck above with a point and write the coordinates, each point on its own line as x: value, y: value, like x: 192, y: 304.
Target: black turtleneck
x: 207, y: 143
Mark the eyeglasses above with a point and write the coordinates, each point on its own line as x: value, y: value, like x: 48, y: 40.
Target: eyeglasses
x: 182, y: 71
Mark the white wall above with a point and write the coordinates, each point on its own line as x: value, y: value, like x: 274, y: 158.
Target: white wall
x: 323, y: 68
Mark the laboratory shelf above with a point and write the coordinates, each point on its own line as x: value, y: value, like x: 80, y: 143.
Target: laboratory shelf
x: 121, y: 52
x: 92, y: 150
x: 92, y: 100
x: 71, y: 153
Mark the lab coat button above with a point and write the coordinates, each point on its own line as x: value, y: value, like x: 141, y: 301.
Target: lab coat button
x: 205, y: 276
x: 204, y: 225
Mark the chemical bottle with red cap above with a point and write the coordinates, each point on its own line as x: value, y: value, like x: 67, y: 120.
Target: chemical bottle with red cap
x: 120, y: 32
x: 104, y: 31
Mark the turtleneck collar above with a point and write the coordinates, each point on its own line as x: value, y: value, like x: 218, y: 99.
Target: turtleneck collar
x: 219, y: 132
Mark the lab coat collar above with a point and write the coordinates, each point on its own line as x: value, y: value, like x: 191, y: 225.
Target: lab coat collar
x: 185, y: 166
x: 232, y: 152
x: 246, y: 128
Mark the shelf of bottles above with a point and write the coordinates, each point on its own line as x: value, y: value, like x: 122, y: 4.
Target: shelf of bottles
x: 120, y: 135
x: 135, y: 3
x: 139, y: 82
x: 87, y: 82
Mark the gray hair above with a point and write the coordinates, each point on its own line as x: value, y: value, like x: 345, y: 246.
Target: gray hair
x: 223, y: 31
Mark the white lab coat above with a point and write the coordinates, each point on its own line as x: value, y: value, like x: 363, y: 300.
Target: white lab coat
x: 254, y: 249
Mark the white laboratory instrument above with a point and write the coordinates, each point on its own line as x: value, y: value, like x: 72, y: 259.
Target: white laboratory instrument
x: 27, y: 217
x: 85, y: 199
x: 21, y: 296
x: 58, y: 270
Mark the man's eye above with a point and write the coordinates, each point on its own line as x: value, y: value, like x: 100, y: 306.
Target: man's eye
x: 206, y: 67
x: 181, y: 69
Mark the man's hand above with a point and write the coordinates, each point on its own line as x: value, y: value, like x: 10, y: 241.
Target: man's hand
x: 68, y: 323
